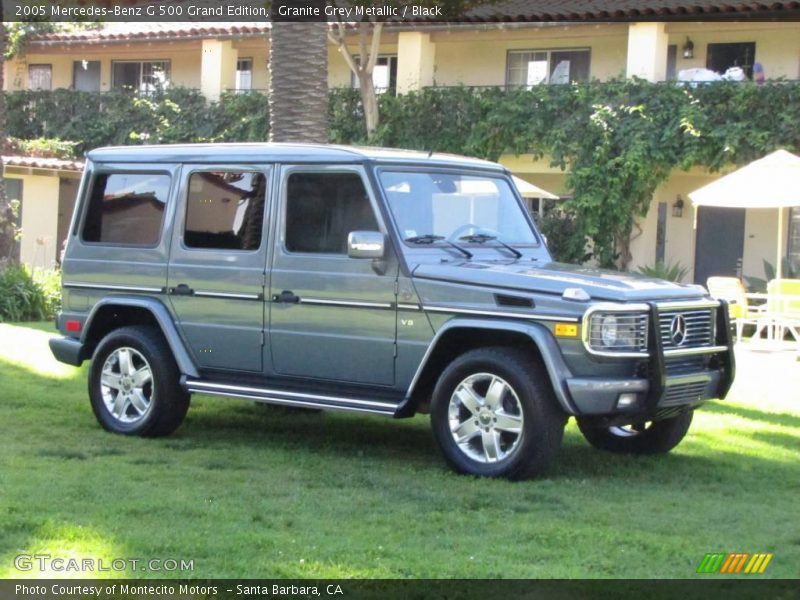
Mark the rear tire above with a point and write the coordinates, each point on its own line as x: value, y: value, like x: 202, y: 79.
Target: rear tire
x: 656, y: 437
x: 494, y: 414
x: 134, y: 384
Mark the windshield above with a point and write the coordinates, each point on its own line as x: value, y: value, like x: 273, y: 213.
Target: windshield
x: 456, y: 208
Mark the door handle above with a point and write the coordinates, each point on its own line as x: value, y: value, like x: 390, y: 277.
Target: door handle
x: 287, y: 297
x: 181, y: 290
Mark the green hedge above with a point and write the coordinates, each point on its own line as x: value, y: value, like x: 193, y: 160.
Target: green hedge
x: 29, y: 296
x: 708, y: 125
x: 118, y: 118
x: 617, y: 140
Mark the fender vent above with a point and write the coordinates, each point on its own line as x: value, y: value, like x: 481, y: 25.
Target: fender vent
x: 515, y: 301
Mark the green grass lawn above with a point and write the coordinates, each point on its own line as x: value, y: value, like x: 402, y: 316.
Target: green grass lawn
x: 246, y: 490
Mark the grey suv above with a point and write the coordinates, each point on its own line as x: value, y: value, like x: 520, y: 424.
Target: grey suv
x: 373, y: 281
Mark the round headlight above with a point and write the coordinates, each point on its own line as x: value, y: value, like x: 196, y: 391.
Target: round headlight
x: 608, y: 330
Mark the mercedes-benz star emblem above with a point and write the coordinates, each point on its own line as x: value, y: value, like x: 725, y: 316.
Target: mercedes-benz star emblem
x: 677, y: 330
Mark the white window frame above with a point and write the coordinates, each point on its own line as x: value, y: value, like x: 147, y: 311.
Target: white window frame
x: 548, y: 52
x: 244, y: 77
x: 378, y: 89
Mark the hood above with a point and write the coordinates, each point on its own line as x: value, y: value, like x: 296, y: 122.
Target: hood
x: 554, y: 278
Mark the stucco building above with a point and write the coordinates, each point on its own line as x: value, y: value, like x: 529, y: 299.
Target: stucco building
x: 549, y: 46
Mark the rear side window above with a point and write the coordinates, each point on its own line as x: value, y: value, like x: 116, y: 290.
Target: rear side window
x: 322, y: 208
x: 126, y: 209
x: 225, y: 210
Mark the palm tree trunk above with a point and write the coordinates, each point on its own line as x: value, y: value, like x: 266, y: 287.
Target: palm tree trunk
x: 298, y: 89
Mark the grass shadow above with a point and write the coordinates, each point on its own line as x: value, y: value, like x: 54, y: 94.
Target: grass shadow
x: 783, y: 419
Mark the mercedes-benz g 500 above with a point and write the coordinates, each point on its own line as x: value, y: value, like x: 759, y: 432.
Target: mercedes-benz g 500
x: 375, y: 281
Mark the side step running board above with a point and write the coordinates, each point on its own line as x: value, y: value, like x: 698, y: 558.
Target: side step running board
x: 286, y: 398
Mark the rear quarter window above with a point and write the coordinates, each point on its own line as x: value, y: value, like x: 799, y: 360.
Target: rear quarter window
x: 126, y: 208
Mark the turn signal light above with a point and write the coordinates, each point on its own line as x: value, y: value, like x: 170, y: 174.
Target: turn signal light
x: 566, y: 330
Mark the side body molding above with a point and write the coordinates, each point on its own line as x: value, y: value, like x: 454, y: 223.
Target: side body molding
x: 162, y: 317
x: 541, y: 337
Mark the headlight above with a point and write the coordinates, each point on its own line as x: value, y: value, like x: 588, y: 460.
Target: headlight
x: 616, y: 332
x: 608, y: 330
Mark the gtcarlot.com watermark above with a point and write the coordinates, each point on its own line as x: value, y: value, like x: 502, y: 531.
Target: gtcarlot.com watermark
x: 47, y: 563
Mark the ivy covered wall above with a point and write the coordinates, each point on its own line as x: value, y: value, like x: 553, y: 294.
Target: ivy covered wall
x: 618, y: 140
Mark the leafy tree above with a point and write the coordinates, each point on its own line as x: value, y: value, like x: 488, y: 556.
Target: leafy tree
x: 369, y: 31
x: 362, y: 66
x: 13, y: 37
x: 8, y: 231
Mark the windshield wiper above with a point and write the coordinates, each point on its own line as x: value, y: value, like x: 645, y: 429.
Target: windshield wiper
x: 482, y: 238
x: 429, y: 238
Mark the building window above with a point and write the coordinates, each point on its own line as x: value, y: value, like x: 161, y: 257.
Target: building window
x: 323, y: 208
x: 40, y: 77
x: 86, y: 75
x: 225, y: 210
x: 141, y: 76
x: 384, y: 77
x: 126, y: 209
x: 794, y: 239
x: 244, y: 74
x: 535, y: 67
x: 721, y: 57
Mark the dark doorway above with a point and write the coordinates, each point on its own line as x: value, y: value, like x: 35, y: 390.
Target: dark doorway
x: 723, y: 56
x: 672, y: 62
x: 661, y: 232
x: 67, y: 192
x: 720, y: 242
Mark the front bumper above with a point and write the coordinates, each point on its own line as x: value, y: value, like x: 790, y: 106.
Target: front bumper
x: 665, y: 387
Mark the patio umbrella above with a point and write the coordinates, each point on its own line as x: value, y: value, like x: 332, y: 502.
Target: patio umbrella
x: 769, y: 182
x: 528, y: 190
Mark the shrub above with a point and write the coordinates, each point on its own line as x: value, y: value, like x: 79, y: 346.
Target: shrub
x: 566, y: 239
x: 40, y: 148
x: 27, y: 296
x: 669, y: 272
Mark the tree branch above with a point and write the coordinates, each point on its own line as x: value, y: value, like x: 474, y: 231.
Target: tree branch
x: 338, y: 39
x: 362, y: 46
x: 375, y: 47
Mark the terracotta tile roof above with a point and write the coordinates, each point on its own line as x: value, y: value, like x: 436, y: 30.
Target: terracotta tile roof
x: 117, y: 31
x: 503, y: 11
x: 43, y: 163
x: 601, y: 10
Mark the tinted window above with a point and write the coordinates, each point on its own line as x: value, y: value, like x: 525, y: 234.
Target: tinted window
x: 322, y: 208
x: 126, y: 208
x: 225, y: 210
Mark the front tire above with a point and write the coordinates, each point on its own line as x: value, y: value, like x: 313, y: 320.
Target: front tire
x: 134, y: 384
x: 494, y: 414
x: 656, y: 437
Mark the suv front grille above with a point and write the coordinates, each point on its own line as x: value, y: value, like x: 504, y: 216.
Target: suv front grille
x: 683, y: 393
x: 698, y: 328
x: 686, y: 365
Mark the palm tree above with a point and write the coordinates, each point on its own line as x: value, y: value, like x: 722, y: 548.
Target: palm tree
x: 298, y: 88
